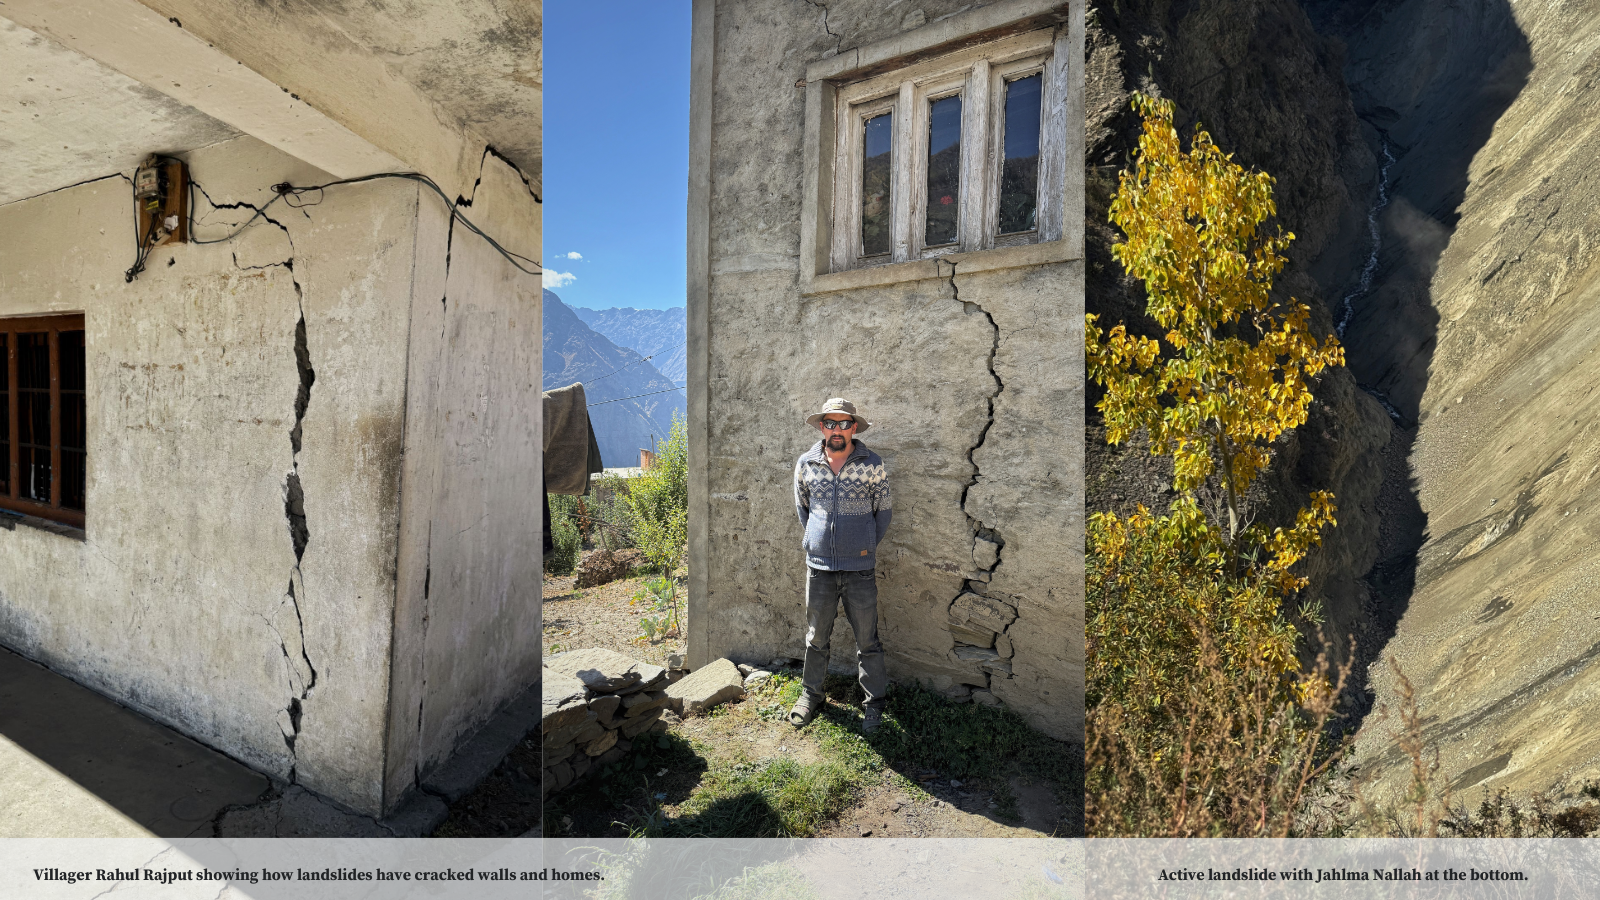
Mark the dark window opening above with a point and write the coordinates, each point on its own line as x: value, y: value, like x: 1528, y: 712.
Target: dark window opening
x: 944, y: 172
x: 875, y: 184
x: 43, y: 417
x: 1019, y: 173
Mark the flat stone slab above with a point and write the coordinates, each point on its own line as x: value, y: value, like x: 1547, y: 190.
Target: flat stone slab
x: 604, y: 671
x: 713, y: 684
x: 974, y: 611
x: 562, y: 701
x: 976, y: 654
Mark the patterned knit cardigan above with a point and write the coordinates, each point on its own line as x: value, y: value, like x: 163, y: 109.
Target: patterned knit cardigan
x: 844, y: 515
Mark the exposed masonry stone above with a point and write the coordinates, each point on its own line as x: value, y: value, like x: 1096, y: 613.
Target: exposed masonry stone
x: 605, y: 672
x: 605, y: 706
x: 595, y: 702
x: 711, y: 685
x: 985, y: 553
x: 641, y: 724
x: 977, y: 637
x: 976, y: 654
x: 600, y: 744
x: 973, y: 611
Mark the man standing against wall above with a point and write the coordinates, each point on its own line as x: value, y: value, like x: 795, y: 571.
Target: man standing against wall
x: 842, y: 494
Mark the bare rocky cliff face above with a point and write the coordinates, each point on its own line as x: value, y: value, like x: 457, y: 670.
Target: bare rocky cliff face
x: 1482, y: 329
x: 1257, y: 76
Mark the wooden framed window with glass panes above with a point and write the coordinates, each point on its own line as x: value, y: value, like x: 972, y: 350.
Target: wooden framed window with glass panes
x: 43, y: 418
x: 955, y: 154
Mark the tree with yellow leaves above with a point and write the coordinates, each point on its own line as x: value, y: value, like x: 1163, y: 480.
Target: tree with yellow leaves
x: 1179, y: 596
x: 1237, y: 374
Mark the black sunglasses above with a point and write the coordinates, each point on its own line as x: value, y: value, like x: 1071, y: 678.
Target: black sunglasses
x: 838, y: 424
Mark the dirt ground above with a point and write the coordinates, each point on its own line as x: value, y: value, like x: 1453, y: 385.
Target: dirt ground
x: 918, y: 803
x: 507, y: 803
x: 604, y: 616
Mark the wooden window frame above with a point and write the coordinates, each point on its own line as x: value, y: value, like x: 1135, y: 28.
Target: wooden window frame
x: 978, y: 75
x: 11, y: 499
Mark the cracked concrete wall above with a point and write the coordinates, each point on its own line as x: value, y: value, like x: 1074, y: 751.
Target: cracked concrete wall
x: 973, y: 382
x: 248, y: 429
x: 468, y: 612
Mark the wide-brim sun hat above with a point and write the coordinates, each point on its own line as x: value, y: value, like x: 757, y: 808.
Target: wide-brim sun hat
x: 842, y: 407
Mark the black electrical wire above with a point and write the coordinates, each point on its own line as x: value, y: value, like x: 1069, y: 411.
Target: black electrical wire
x: 259, y: 213
x: 285, y: 190
x: 634, y: 363
x: 141, y: 250
x: 634, y: 397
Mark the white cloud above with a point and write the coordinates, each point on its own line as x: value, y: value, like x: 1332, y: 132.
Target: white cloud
x: 573, y: 255
x: 554, y: 279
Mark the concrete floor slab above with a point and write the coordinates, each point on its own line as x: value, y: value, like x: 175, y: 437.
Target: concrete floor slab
x: 75, y: 764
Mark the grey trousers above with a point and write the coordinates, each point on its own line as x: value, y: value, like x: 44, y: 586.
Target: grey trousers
x: 859, y: 591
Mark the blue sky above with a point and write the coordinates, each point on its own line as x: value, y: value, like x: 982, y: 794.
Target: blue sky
x: 616, y: 152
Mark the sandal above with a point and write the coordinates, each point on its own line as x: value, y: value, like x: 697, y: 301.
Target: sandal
x: 805, y: 709
x: 871, y: 718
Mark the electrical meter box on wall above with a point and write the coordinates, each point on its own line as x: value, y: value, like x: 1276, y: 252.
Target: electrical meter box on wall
x: 161, y: 201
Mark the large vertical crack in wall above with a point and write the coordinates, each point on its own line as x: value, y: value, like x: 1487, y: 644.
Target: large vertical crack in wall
x: 300, y: 683
x: 979, y: 618
x: 294, y: 509
x: 838, y: 39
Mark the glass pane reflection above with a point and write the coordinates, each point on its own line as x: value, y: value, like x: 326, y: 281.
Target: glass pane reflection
x: 1019, y: 173
x: 944, y: 171
x: 875, y: 184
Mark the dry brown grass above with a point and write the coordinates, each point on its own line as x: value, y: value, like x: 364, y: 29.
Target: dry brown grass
x: 1229, y: 761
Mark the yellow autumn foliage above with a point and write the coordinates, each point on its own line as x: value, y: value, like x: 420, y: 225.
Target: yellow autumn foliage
x: 1238, y: 368
x: 1179, y: 599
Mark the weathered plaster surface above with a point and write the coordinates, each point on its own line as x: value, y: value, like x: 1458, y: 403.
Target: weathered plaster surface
x: 468, y: 613
x: 973, y: 383
x: 178, y: 599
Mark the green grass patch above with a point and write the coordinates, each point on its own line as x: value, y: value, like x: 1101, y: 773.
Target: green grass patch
x: 729, y: 795
x: 776, y: 798
x: 924, y: 730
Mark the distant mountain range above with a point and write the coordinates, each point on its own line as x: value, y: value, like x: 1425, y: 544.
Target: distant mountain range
x: 657, y: 333
x: 575, y: 352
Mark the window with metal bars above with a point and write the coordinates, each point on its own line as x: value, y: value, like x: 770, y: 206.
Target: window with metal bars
x: 43, y: 418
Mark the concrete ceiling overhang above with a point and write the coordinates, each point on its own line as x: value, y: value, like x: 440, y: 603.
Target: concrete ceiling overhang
x: 66, y: 119
x: 352, y: 88
x: 482, y: 60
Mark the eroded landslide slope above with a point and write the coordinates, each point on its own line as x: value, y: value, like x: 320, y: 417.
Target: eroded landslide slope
x: 1469, y: 539
x: 1256, y: 75
x: 1484, y: 330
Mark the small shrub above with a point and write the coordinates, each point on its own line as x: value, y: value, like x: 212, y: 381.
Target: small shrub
x: 1224, y: 755
x: 563, y: 558
x: 608, y: 521
x: 658, y: 502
